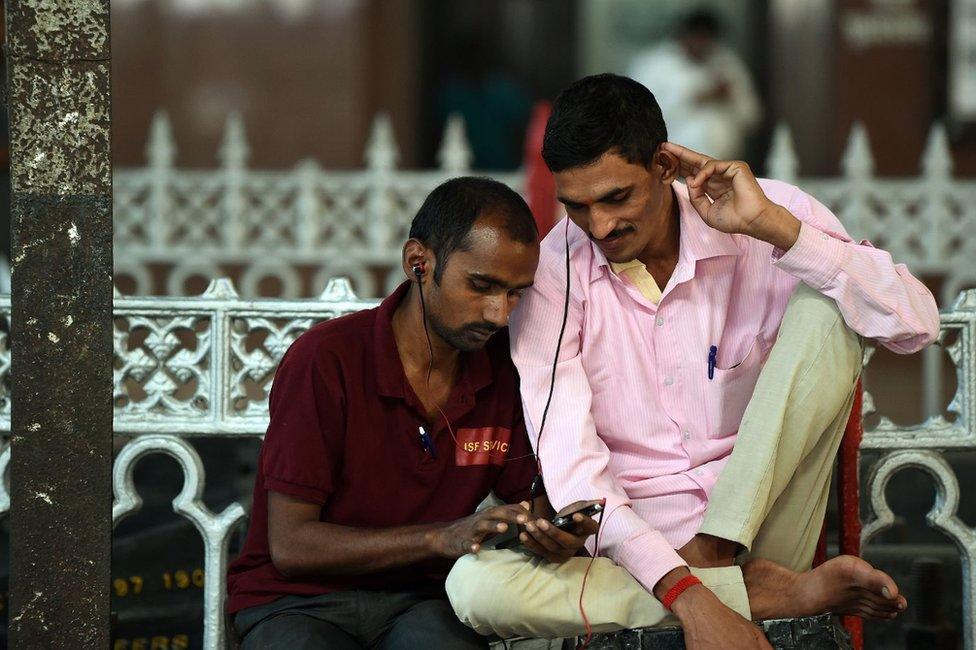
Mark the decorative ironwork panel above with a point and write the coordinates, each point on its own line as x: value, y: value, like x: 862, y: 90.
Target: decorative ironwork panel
x: 196, y: 213
x: 340, y: 204
x: 938, y: 432
x: 943, y: 517
x: 257, y: 343
x: 215, y: 529
x: 270, y: 216
x: 162, y: 368
x: 203, y: 366
x: 132, y: 211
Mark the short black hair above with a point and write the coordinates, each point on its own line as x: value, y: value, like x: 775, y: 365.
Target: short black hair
x: 702, y: 21
x: 452, y: 209
x: 601, y: 113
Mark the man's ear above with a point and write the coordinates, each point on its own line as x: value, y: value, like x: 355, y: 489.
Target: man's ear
x: 418, y: 260
x: 666, y: 164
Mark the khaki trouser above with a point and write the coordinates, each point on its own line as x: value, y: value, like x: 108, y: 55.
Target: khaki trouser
x: 771, y: 497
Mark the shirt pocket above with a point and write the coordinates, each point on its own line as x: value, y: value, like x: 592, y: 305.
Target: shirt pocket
x: 728, y: 393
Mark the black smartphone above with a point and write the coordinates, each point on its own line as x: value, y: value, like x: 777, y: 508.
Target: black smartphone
x: 565, y: 522
x: 509, y: 539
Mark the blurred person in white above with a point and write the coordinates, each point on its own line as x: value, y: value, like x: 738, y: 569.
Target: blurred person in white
x: 702, y: 86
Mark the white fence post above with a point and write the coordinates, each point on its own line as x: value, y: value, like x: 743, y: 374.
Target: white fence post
x: 161, y: 153
x: 937, y: 175
x: 307, y: 174
x: 381, y: 158
x: 782, y: 163
x: 455, y: 153
x: 233, y: 155
x: 858, y: 166
x: 936, y: 172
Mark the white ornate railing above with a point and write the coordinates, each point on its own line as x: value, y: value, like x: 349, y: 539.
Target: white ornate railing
x: 927, y: 222
x: 203, y: 366
x: 297, y: 228
x: 173, y: 224
x: 308, y: 222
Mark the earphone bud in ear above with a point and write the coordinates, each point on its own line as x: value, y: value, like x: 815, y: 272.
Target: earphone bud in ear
x: 418, y: 269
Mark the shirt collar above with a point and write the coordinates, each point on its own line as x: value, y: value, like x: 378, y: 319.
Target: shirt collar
x: 696, y: 241
x: 476, y: 370
x: 620, y: 267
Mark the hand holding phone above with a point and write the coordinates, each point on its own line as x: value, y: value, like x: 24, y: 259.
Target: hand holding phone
x: 566, y: 521
x: 564, y: 536
x: 550, y: 543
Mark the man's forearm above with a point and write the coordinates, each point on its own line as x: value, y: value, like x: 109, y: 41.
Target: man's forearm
x: 321, y: 548
x: 669, y: 580
x: 777, y: 226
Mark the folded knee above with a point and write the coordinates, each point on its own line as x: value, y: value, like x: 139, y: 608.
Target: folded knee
x: 812, y: 308
x: 817, y: 317
x: 459, y: 585
x: 468, y: 585
x: 475, y: 588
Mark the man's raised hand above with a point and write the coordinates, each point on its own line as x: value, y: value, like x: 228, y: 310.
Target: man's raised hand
x: 727, y: 196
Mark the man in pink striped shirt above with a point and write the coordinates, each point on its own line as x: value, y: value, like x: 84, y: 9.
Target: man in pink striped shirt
x: 709, y: 343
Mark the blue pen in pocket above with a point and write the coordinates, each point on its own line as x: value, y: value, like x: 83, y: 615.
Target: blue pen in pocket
x: 427, y: 443
x: 712, y: 353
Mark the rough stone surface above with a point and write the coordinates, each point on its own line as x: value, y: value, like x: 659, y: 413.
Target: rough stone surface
x: 59, y: 30
x: 61, y: 419
x: 62, y: 112
x: 61, y: 459
x: 813, y: 633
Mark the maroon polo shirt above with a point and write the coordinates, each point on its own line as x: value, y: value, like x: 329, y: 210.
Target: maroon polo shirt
x: 343, y: 435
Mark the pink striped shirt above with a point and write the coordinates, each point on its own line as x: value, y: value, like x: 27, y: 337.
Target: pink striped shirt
x: 634, y: 417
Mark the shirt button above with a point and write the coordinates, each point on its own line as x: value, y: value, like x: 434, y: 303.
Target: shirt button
x: 698, y: 472
x: 668, y: 380
x: 687, y: 435
x: 660, y: 321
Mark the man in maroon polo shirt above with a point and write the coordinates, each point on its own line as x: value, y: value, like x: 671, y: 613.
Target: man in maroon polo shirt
x: 388, y: 428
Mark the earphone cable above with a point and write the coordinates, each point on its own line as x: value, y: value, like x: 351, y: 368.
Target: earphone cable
x: 552, y: 378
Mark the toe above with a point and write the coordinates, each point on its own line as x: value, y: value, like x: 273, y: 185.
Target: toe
x: 868, y: 609
x: 884, y: 585
x: 874, y: 580
x: 879, y: 602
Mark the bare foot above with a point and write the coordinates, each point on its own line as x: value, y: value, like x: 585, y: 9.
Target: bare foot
x: 842, y: 585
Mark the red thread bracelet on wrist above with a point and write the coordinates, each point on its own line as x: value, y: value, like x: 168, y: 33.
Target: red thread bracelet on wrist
x: 678, y: 589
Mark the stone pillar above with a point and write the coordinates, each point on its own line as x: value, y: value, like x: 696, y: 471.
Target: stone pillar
x: 61, y: 214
